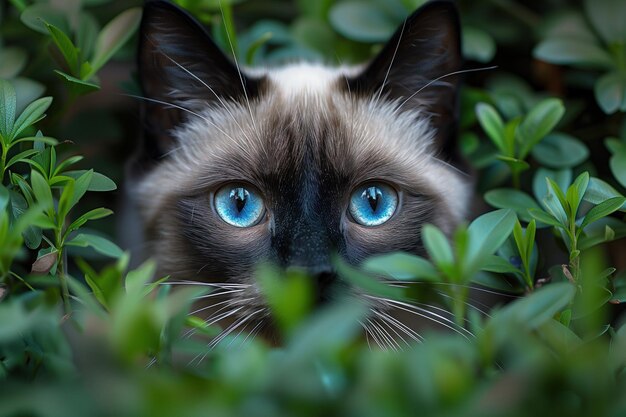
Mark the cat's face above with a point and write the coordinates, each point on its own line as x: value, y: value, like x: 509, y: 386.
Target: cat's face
x: 294, y: 165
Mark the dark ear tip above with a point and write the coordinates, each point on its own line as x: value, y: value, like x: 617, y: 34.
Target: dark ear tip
x: 446, y: 11
x: 448, y: 7
x: 153, y: 8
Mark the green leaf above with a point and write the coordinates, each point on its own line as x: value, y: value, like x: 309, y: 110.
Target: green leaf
x: 562, y: 51
x: 540, y: 186
x: 520, y: 241
x: 137, y: 280
x: 42, y: 191
x: 20, y: 157
x: 36, y: 16
x: 541, y: 306
x: 66, y: 163
x: 78, y: 86
x: 81, y: 187
x: 12, y: 61
x: 559, y: 150
x: 256, y: 46
x: 98, y: 243
x: 544, y: 217
x: 618, y: 166
x: 508, y: 198
x: 7, y: 110
x: 499, y: 265
x: 86, y: 34
x: 33, y: 113
x: 492, y: 124
x: 515, y: 164
x: 576, y: 192
x: 64, y: 202
x: 478, y: 45
x: 67, y: 48
x: 361, y: 22
x: 94, y: 214
x: 599, y: 191
x: 607, y: 17
x: 538, y: 123
x: 99, y: 182
x: 487, y: 233
x: 401, y: 266
x: 602, y: 210
x: 37, y: 139
x: 556, y: 202
x: 437, y: 246
x: 4, y: 197
x: 610, y: 91
x: 113, y: 36
x: 495, y: 281
x: 289, y: 295
x: 367, y: 283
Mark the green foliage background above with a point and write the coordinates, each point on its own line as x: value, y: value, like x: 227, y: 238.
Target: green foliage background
x: 545, y: 132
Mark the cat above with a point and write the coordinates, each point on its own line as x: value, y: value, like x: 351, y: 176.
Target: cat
x: 293, y: 164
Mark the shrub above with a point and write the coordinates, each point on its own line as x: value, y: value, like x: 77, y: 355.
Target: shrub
x: 83, y: 334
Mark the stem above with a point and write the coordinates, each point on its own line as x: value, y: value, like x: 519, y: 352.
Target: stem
x: 61, y: 262
x: 3, y: 160
x: 459, y: 295
x: 516, y: 176
x: 574, y: 262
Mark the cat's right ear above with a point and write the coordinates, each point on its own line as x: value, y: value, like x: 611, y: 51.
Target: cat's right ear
x: 180, y: 67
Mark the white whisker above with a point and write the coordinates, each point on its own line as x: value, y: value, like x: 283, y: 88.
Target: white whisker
x: 243, y: 85
x: 206, y: 119
x: 450, y: 74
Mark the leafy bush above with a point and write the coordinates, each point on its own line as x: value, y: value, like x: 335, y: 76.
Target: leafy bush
x: 80, y: 335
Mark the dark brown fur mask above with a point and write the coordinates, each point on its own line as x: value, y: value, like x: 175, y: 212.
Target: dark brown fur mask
x: 293, y: 146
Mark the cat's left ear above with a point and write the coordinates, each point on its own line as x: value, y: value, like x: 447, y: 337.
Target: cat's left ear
x: 181, y: 68
x: 427, y: 47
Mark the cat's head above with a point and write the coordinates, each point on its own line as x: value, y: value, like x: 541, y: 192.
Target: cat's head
x: 295, y: 164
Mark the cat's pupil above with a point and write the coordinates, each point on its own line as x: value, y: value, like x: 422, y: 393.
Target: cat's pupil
x: 373, y: 195
x: 240, y: 196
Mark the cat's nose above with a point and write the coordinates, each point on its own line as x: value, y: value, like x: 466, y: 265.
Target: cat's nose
x: 325, y: 280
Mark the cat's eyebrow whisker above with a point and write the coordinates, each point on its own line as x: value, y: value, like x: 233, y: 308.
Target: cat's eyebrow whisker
x: 165, y: 103
x: 449, y: 165
x: 393, y: 59
x: 243, y: 85
x: 194, y: 76
x: 450, y: 74
x: 176, y: 106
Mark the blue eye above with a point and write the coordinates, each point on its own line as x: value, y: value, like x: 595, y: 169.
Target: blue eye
x: 239, y: 205
x: 373, y: 204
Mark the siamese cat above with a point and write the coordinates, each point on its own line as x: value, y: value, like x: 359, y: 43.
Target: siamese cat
x: 292, y: 165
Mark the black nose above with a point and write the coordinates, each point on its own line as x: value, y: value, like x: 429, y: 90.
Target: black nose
x: 325, y: 281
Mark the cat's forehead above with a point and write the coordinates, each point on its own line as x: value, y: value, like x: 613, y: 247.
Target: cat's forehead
x: 297, y: 80
x: 306, y: 119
